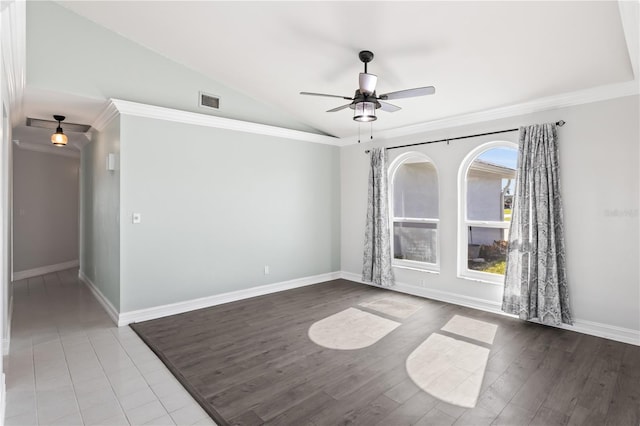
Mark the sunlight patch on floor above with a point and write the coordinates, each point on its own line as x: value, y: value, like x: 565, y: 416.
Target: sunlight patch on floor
x: 350, y: 329
x: 471, y: 328
x: 393, y: 307
x: 449, y: 369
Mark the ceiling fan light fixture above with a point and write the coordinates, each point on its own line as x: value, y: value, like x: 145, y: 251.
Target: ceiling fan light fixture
x: 364, y: 112
x: 59, y: 138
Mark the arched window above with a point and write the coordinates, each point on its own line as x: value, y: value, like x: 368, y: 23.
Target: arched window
x: 487, y: 182
x: 414, y: 211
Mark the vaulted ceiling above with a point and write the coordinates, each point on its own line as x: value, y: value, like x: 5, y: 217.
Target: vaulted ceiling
x: 479, y: 55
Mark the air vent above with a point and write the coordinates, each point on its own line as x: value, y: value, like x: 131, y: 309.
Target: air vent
x: 209, y: 101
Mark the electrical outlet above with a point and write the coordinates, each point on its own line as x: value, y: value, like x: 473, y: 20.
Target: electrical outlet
x: 266, y: 269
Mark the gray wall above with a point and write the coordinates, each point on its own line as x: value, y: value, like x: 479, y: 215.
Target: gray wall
x: 100, y: 210
x: 45, y: 209
x: 599, y: 153
x: 217, y: 206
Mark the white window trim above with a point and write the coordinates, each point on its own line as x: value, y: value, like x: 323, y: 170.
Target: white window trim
x: 412, y: 264
x: 463, y: 224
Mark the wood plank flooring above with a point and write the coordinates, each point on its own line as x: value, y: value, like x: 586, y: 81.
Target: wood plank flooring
x: 251, y: 362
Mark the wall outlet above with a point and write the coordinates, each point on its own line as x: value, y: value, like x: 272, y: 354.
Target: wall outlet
x: 266, y: 269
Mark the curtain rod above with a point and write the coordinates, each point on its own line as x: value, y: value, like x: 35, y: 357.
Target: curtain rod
x: 558, y: 123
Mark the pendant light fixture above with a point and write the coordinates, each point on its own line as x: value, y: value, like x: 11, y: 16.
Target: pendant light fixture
x: 59, y: 138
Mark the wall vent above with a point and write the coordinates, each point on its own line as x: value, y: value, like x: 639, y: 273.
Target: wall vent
x: 209, y: 101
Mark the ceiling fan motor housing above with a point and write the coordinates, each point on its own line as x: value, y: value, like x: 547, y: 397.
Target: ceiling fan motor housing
x: 360, y: 97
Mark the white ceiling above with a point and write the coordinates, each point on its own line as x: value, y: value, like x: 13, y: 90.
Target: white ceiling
x: 478, y: 55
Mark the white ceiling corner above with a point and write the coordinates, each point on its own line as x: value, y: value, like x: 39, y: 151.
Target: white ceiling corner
x: 105, y: 117
x: 67, y: 151
x: 13, y: 36
x: 630, y: 17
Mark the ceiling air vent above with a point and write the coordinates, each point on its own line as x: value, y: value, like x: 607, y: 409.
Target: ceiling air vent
x: 209, y: 101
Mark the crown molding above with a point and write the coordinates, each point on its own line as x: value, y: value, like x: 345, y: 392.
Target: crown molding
x: 595, y: 94
x: 186, y: 117
x: 104, y: 118
x: 36, y: 147
x: 564, y: 100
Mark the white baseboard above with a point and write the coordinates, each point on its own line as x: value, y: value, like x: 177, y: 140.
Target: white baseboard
x: 20, y: 275
x: 612, y: 332
x: 108, y: 307
x: 619, y: 334
x: 126, y: 318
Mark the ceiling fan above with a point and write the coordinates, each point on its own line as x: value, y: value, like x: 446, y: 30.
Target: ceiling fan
x: 366, y: 101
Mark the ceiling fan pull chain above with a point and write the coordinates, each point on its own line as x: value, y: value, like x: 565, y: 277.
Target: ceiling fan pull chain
x: 371, y: 130
x: 358, y: 132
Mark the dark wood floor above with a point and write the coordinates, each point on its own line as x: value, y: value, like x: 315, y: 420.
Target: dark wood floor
x: 254, y: 363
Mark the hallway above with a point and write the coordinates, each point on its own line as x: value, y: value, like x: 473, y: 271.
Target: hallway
x: 70, y: 365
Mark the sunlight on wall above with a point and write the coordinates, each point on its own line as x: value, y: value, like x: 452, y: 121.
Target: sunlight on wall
x: 350, y: 329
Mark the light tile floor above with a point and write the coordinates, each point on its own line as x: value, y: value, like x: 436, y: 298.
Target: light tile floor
x: 70, y: 365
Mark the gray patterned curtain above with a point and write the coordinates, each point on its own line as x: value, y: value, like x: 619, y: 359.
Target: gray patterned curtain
x: 535, y: 277
x: 376, y: 266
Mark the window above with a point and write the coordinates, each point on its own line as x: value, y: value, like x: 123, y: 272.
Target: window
x: 487, y: 183
x: 414, y: 211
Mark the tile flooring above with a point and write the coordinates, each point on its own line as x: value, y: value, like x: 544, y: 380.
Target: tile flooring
x: 70, y: 365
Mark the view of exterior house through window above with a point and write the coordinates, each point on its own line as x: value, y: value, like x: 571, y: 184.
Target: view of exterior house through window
x: 414, y: 183
x: 490, y: 184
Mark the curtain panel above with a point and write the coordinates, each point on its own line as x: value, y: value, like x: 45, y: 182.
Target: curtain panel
x: 535, y: 276
x: 376, y: 267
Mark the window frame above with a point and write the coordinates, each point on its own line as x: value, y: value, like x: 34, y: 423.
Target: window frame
x: 393, y: 169
x: 464, y: 223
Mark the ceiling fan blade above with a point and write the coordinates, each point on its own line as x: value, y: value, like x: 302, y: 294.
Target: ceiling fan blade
x: 408, y: 93
x: 389, y: 107
x: 339, y: 108
x: 325, y: 95
x: 367, y: 83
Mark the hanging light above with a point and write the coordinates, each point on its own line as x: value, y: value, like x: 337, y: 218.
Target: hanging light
x: 59, y: 138
x: 365, y: 111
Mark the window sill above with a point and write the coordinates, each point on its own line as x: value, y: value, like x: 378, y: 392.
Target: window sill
x: 481, y: 280
x: 416, y: 268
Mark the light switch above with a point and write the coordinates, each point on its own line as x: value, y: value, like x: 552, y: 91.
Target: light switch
x: 137, y: 218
